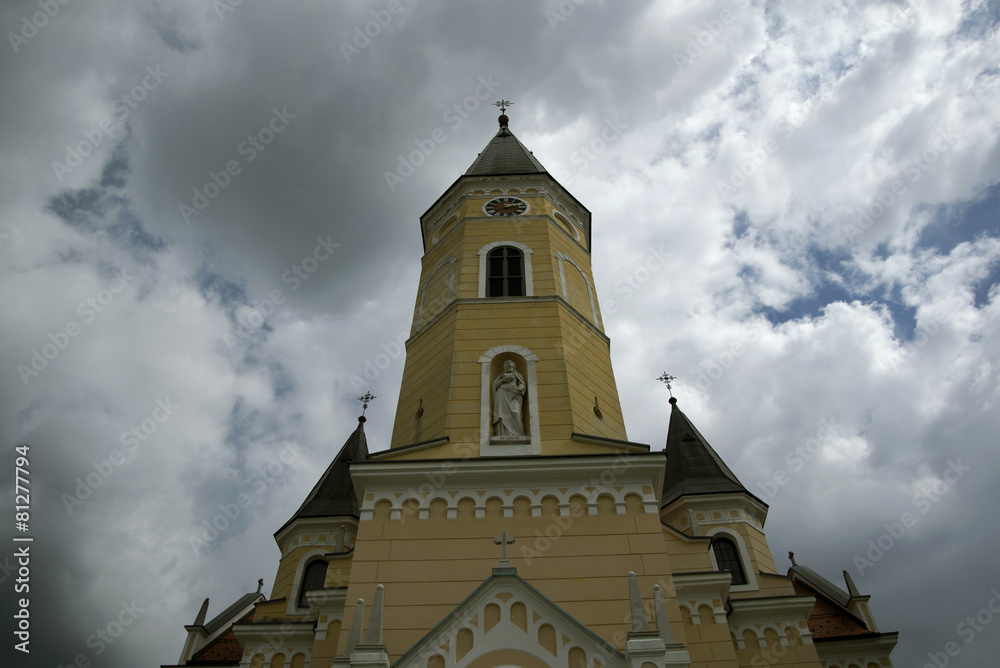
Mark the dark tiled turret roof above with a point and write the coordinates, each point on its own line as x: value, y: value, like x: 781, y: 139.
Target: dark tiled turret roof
x: 505, y: 155
x: 693, y: 467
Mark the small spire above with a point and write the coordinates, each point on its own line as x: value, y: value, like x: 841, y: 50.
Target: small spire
x: 200, y: 619
x: 374, y: 635
x: 503, y: 119
x: 852, y: 589
x: 662, y: 620
x: 357, y: 622
x: 639, y: 621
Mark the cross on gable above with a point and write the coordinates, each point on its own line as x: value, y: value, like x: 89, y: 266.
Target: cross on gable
x: 503, y: 541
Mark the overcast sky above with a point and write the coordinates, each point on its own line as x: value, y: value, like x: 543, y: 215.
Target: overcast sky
x: 815, y: 184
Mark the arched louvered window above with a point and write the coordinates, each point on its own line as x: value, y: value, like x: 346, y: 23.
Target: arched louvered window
x: 313, y: 578
x: 727, y: 556
x: 505, y: 272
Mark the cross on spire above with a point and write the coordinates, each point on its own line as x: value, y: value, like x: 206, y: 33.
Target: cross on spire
x: 503, y: 104
x: 366, y: 399
x: 667, y: 378
x: 503, y: 541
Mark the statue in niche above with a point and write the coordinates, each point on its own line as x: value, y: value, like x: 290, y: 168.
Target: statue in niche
x: 508, y: 401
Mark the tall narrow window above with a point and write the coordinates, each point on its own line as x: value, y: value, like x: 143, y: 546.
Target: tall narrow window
x: 728, y: 559
x: 505, y: 272
x: 313, y: 578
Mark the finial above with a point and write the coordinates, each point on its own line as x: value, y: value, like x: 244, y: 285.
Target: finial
x: 365, y: 399
x: 639, y: 620
x: 374, y: 634
x: 852, y: 589
x: 260, y: 584
x: 668, y: 379
x: 503, y: 541
x: 503, y: 104
x: 791, y: 557
x: 662, y: 620
x: 357, y: 622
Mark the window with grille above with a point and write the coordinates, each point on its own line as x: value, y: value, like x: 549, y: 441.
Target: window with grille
x: 728, y: 559
x: 505, y: 272
x: 314, y: 578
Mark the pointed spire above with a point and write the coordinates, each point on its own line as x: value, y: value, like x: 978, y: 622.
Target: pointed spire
x: 357, y: 623
x: 693, y: 466
x: 639, y: 621
x: 505, y: 155
x: 662, y: 620
x: 374, y: 635
x: 333, y: 494
x: 202, y: 613
x: 851, y: 587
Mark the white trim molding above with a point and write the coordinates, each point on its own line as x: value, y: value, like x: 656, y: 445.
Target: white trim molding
x: 561, y: 257
x: 529, y: 286
x: 534, y: 446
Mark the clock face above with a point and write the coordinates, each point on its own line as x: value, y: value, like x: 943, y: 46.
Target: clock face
x: 506, y: 206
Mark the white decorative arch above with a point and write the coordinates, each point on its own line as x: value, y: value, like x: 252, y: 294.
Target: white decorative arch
x: 300, y: 569
x: 485, y: 447
x: 423, y: 289
x: 562, y: 257
x: 748, y: 570
x: 529, y: 286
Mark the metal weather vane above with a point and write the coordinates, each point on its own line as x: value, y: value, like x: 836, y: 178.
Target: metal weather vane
x: 503, y: 104
x: 667, y: 379
x: 366, y: 399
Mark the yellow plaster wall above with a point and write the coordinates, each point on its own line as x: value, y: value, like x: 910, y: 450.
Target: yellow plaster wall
x: 429, y: 566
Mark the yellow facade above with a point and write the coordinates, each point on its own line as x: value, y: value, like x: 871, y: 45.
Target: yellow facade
x: 417, y: 534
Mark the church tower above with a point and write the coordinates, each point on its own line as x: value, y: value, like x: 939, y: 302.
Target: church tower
x: 511, y: 522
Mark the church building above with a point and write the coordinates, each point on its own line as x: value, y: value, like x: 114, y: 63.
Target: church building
x: 511, y: 522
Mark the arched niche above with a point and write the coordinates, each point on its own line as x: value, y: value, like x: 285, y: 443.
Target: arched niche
x: 493, y: 363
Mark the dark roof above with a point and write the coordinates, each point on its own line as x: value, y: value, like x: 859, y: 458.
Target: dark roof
x: 224, y: 650
x: 334, y: 495
x: 505, y: 155
x: 819, y: 583
x: 693, y: 467
x: 226, y: 616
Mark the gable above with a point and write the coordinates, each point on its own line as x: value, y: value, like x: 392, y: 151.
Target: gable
x: 506, y: 621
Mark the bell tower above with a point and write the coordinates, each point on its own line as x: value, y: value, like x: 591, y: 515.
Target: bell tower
x: 507, y: 353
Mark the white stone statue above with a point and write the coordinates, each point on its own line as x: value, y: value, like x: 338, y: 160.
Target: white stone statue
x: 508, y: 400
